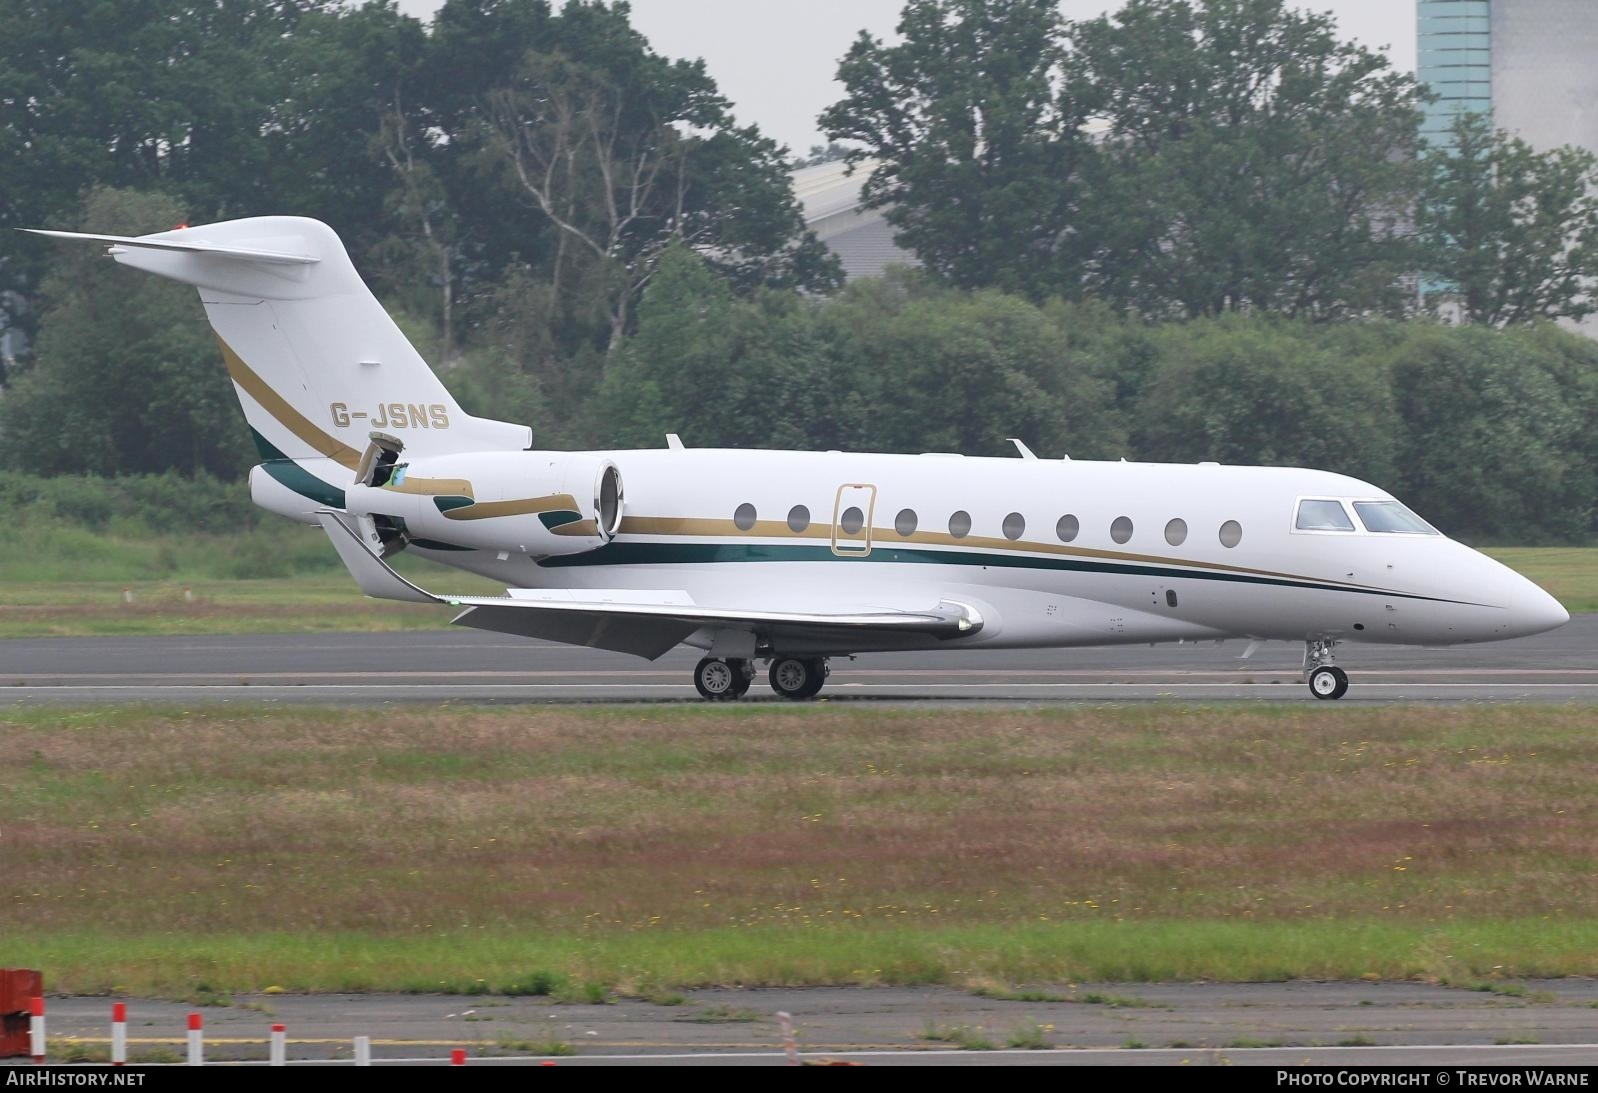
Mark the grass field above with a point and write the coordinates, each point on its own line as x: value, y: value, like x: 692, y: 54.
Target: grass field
x: 192, y: 590
x: 579, y: 851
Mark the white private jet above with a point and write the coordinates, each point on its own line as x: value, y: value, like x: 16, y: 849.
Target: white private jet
x: 792, y: 557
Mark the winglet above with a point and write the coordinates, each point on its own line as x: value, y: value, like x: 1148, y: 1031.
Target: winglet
x: 166, y: 241
x: 375, y: 576
x: 1026, y: 453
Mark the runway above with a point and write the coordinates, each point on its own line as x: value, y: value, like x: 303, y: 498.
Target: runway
x: 1548, y: 1022
x: 472, y: 666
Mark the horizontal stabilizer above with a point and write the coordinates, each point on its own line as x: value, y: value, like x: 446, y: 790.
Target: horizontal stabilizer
x: 165, y: 241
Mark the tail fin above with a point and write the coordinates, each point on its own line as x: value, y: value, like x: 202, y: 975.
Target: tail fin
x: 315, y: 360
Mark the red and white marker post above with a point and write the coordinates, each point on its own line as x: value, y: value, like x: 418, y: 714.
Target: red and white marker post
x: 36, y: 1029
x: 280, y: 1046
x: 119, y: 1033
x: 196, y: 1040
x: 457, y: 1057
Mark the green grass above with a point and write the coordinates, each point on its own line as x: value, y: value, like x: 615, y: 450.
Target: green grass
x: 588, y: 854
x: 1570, y: 574
x: 63, y: 581
x: 1029, y: 1037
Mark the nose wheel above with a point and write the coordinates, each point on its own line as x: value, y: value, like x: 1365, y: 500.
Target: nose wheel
x: 722, y: 680
x: 1326, y: 680
x: 798, y: 679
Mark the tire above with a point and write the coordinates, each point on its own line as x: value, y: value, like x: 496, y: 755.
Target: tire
x: 797, y: 679
x: 1328, y: 682
x: 718, y: 680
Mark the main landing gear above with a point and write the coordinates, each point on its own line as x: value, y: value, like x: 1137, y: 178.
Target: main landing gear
x: 1326, y: 680
x: 796, y: 678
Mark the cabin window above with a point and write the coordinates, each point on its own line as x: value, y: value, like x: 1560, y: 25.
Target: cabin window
x: 744, y: 516
x: 960, y: 524
x: 1121, y: 529
x: 905, y: 522
x: 1231, y: 534
x: 1014, y: 526
x: 1067, y: 528
x: 1176, y: 532
x: 1317, y: 514
x: 1391, y: 518
x: 798, y: 519
x: 852, y: 520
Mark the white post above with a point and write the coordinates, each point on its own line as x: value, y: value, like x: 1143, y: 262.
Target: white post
x: 196, y: 1040
x: 119, y: 1033
x: 36, y: 1029
x: 280, y: 1046
x: 790, y: 1046
x: 363, y: 1051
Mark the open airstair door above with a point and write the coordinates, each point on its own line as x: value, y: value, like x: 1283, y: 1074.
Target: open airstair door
x: 643, y: 622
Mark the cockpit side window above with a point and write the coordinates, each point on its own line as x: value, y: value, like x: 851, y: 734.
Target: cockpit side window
x: 1320, y: 514
x: 1392, y: 518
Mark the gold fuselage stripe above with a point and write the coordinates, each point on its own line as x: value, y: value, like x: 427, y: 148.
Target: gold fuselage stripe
x: 487, y: 510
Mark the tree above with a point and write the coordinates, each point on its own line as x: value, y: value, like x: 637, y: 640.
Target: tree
x: 1258, y: 390
x: 1511, y: 233
x: 181, y: 95
x: 126, y: 377
x: 1249, y: 160
x: 721, y: 370
x: 1496, y: 442
x: 573, y: 151
x: 974, y: 152
x: 941, y: 369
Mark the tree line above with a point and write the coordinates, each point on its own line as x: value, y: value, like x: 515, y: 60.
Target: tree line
x: 1187, y: 230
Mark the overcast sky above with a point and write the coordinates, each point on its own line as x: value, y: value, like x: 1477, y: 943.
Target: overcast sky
x: 776, y: 59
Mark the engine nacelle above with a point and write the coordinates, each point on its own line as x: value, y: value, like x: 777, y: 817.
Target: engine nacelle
x: 537, y: 503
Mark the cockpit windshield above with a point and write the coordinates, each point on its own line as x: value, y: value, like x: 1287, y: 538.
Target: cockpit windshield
x: 1317, y: 514
x: 1392, y: 518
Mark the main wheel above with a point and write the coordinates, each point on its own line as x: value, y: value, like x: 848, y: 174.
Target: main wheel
x: 718, y: 680
x: 1328, y: 681
x: 797, y: 679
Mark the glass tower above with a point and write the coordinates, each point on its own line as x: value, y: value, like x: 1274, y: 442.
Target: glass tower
x: 1455, y: 61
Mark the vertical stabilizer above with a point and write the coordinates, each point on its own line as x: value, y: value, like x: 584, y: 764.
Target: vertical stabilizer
x: 317, y: 363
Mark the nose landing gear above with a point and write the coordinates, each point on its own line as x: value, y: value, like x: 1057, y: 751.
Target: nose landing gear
x: 1326, y: 680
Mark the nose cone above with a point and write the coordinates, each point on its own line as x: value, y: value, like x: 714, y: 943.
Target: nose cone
x: 1533, y: 611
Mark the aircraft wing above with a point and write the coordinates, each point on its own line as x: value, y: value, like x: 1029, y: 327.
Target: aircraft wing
x: 644, y: 622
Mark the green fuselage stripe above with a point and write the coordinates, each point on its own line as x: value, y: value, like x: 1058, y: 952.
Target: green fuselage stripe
x: 634, y: 553
x: 295, y: 477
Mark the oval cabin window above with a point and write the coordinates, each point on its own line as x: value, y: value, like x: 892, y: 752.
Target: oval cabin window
x: 798, y: 519
x: 1014, y: 526
x: 1231, y: 534
x: 744, y: 516
x: 1068, y: 528
x: 1121, y: 530
x: 905, y: 522
x: 960, y: 524
x: 1176, y: 532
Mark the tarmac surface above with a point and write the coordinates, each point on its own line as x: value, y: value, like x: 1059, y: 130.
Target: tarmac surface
x: 464, y: 665
x: 1552, y: 1022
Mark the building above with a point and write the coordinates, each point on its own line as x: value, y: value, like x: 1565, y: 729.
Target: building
x: 861, y: 238
x: 1531, y: 64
